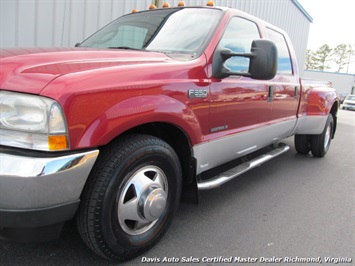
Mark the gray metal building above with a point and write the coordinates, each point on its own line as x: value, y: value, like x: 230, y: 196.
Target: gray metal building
x: 44, y: 23
x: 344, y: 83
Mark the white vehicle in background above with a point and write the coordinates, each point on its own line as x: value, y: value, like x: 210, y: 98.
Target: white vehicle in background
x: 349, y: 102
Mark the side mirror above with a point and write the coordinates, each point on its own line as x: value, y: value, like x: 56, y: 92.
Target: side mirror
x: 263, y: 61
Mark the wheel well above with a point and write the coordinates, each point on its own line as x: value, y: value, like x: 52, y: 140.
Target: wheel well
x: 334, y: 112
x: 179, y: 141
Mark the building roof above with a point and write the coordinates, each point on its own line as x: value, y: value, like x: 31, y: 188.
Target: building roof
x: 304, y: 12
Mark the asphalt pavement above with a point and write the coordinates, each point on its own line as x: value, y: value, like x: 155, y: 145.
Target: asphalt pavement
x: 293, y: 210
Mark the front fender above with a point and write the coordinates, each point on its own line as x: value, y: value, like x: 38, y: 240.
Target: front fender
x: 134, y: 112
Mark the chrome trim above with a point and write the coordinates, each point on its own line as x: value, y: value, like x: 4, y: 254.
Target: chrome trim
x: 27, y: 182
x: 214, y: 153
x: 242, y: 168
x: 248, y: 150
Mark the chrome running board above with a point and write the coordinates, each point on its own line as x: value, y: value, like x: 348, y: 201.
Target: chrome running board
x: 242, y: 168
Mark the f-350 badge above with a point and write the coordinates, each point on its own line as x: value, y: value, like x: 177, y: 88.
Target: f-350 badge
x: 198, y: 93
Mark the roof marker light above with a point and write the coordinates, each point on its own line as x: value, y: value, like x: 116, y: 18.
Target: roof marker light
x: 210, y: 3
x: 166, y: 4
x: 181, y: 3
x: 134, y: 11
x: 152, y: 6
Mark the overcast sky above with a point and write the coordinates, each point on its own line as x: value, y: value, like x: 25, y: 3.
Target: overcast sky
x: 333, y: 23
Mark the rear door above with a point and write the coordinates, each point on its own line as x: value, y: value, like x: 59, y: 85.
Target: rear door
x: 285, y: 90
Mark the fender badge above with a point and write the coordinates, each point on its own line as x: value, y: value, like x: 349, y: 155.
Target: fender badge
x: 197, y: 93
x: 215, y: 129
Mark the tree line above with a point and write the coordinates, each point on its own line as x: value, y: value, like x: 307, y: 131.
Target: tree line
x: 338, y: 58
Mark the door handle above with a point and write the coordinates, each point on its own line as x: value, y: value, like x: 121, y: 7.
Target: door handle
x: 295, y: 94
x: 271, y: 93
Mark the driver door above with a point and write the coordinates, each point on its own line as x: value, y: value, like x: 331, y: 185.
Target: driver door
x: 239, y: 105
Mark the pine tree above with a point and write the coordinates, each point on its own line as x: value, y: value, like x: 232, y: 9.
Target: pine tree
x: 342, y: 55
x: 310, y: 64
x: 321, y: 57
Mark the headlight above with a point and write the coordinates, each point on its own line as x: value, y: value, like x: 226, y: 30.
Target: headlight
x: 32, y: 122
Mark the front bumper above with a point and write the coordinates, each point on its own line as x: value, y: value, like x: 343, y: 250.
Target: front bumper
x: 37, y: 192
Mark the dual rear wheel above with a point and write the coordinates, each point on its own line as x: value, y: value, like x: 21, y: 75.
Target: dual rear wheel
x: 317, y: 144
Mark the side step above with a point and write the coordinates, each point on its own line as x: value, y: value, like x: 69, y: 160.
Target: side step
x: 242, y: 168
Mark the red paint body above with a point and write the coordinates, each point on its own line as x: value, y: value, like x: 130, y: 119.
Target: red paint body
x: 106, y: 92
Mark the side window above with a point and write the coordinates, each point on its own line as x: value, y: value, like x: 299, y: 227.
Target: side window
x: 284, y: 61
x: 238, y: 37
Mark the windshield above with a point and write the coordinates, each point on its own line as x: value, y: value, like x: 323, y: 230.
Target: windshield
x: 350, y: 97
x: 183, y: 31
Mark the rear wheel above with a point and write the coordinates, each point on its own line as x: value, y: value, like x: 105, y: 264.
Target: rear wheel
x: 303, y: 143
x: 130, y: 198
x: 320, y: 143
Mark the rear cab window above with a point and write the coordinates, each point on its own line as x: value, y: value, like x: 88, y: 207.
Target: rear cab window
x: 284, y: 59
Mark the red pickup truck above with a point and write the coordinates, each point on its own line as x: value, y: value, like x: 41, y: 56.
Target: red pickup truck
x: 147, y: 111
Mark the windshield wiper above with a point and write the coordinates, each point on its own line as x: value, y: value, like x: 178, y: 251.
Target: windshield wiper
x: 125, y: 48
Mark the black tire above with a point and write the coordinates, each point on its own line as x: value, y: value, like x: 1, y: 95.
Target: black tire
x: 320, y: 143
x: 130, y: 198
x: 303, y: 143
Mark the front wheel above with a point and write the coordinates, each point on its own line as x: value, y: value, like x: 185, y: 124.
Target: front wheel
x: 130, y: 198
x: 320, y: 143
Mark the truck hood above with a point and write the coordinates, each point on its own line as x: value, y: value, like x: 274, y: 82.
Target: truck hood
x: 30, y: 70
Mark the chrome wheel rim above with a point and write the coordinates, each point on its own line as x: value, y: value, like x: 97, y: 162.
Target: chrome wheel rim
x: 327, y: 137
x: 143, y: 200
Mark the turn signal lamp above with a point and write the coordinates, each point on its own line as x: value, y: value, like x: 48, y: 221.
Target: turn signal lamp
x: 166, y: 4
x: 152, y: 6
x: 57, y: 143
x: 181, y: 3
x: 210, y: 3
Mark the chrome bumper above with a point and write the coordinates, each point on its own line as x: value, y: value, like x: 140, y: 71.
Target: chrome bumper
x: 30, y: 183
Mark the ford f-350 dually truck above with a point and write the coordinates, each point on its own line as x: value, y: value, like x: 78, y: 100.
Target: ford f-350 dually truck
x: 147, y: 111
